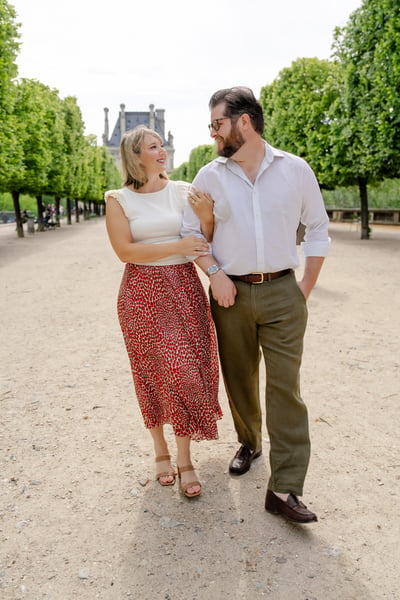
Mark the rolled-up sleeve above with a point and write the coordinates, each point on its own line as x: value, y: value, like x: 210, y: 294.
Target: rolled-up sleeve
x: 314, y: 217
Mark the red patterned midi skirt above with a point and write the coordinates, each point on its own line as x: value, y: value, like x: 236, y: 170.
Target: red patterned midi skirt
x: 170, y: 338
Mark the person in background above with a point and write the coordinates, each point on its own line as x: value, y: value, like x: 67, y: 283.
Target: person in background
x: 162, y: 306
x: 260, y: 195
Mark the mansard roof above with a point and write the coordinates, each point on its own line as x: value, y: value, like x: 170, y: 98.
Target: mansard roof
x: 133, y: 119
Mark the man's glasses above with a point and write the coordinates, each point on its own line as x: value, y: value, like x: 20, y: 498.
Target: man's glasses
x: 216, y: 124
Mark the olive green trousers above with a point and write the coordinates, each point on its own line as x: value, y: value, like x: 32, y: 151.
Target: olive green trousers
x: 270, y: 318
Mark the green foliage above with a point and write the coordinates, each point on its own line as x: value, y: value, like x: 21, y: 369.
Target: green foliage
x: 57, y: 170
x: 10, y: 152
x: 199, y: 156
x: 296, y: 109
x: 180, y: 173
x: 32, y: 108
x: 56, y: 158
x: 43, y: 150
x: 368, y: 115
x: 111, y: 174
x: 8, y: 44
x: 385, y: 194
x: 94, y: 185
x: 27, y: 202
x: 342, y: 116
x: 366, y: 122
x: 74, y: 148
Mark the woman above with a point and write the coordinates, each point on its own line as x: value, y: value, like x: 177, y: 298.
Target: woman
x: 162, y: 307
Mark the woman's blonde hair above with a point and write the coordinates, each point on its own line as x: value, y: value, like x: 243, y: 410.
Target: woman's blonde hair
x: 131, y: 146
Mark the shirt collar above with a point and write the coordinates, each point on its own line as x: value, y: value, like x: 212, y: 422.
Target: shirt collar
x: 270, y: 154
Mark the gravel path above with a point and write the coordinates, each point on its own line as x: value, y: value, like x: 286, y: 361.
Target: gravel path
x: 80, y: 514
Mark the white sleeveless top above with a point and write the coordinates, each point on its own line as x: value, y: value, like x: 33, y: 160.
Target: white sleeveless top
x: 155, y: 217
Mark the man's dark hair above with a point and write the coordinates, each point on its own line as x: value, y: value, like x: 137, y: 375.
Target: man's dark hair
x: 238, y: 101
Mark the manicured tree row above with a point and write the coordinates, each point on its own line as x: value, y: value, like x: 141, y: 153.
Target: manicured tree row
x: 342, y: 116
x: 43, y: 149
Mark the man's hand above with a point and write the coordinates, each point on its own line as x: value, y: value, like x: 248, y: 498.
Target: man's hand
x: 223, y: 289
x: 312, y: 268
x: 305, y: 289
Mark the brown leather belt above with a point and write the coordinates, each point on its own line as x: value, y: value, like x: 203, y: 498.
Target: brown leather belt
x: 260, y: 277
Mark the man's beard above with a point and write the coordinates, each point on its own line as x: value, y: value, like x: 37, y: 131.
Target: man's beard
x: 232, y: 143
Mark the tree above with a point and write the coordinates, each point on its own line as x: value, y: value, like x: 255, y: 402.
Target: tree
x: 95, y: 181
x: 30, y: 111
x: 74, y: 145
x: 111, y: 174
x: 180, y: 173
x: 366, y: 124
x: 56, y: 169
x: 199, y: 156
x: 296, y: 108
x: 10, y: 149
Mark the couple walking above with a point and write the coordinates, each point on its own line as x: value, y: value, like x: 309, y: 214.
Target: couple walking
x: 238, y: 222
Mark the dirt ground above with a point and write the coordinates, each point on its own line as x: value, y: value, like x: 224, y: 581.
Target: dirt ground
x: 81, y: 516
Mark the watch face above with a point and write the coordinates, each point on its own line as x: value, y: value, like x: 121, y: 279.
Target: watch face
x: 213, y: 269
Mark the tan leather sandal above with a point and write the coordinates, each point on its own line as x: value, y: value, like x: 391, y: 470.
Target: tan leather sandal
x: 189, y: 485
x: 170, y: 473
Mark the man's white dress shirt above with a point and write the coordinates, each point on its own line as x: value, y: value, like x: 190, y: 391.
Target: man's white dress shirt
x: 256, y: 224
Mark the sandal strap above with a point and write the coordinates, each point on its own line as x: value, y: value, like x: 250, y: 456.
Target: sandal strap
x: 191, y: 484
x: 185, y: 468
x: 162, y: 458
x: 166, y: 474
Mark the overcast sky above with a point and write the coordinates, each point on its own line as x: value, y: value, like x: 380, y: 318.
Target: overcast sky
x: 171, y: 54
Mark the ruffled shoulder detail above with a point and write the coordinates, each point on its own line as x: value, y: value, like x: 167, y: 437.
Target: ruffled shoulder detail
x: 182, y: 188
x: 120, y: 196
x: 112, y: 193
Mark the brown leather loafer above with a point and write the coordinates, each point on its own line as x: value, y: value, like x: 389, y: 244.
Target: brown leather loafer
x: 292, y: 509
x: 242, y: 460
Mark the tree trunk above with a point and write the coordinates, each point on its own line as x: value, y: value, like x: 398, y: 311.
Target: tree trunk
x: 76, y: 210
x: 40, y: 211
x: 17, y: 210
x: 57, y: 210
x: 69, y: 222
x: 362, y: 184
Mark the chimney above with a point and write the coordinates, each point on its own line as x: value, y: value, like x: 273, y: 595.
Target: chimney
x: 122, y: 119
x: 106, y: 130
x: 152, y: 121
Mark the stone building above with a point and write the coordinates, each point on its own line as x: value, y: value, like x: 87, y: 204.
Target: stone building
x: 154, y: 119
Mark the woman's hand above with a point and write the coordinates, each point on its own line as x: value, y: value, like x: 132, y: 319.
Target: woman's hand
x: 202, y: 204
x: 193, y: 246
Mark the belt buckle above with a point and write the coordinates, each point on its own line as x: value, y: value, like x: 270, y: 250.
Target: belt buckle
x: 261, y: 276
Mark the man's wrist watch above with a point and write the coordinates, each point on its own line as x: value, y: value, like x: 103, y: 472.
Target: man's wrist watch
x: 213, y: 269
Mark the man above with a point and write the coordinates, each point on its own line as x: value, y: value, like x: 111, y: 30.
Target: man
x: 260, y: 195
